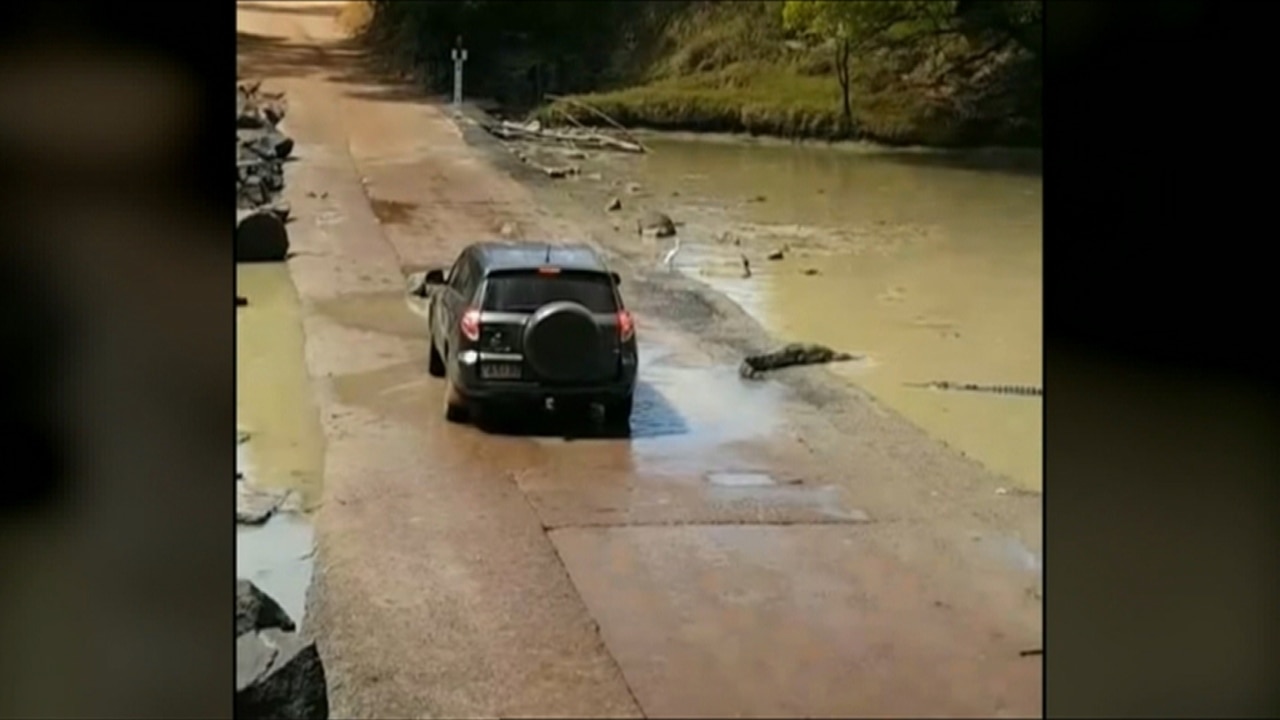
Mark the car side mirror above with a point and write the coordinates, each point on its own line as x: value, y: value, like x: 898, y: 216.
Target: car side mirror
x: 617, y: 279
x: 434, y: 277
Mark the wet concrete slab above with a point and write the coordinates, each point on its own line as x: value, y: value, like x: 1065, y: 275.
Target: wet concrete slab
x: 804, y: 621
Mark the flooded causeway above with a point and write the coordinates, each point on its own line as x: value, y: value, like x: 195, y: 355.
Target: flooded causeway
x: 930, y: 265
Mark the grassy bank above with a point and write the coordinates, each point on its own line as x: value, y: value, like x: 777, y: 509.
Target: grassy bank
x: 779, y: 102
x: 724, y: 67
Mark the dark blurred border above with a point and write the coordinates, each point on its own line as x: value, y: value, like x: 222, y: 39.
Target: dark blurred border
x: 1162, y: 597
x: 1162, y: 589
x: 116, y: 524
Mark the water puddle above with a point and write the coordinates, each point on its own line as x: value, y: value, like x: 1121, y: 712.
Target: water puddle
x: 280, y: 444
x: 929, y: 267
x: 277, y: 557
x: 273, y: 393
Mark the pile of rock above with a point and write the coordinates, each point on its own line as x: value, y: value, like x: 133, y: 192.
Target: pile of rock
x: 261, y: 151
x: 278, y: 674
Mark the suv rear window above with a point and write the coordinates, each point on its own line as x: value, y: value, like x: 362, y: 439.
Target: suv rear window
x: 527, y: 291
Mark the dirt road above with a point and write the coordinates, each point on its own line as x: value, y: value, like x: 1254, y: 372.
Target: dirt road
x: 764, y: 549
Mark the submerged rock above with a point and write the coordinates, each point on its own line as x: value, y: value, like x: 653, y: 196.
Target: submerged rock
x: 256, y: 610
x: 279, y: 674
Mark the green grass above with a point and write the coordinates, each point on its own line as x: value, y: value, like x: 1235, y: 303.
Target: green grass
x: 772, y: 102
x: 780, y: 100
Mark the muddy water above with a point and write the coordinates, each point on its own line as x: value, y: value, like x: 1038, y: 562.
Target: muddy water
x: 273, y: 393
x: 285, y: 446
x: 929, y: 265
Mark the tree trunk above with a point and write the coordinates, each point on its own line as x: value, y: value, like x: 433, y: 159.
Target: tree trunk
x: 842, y: 74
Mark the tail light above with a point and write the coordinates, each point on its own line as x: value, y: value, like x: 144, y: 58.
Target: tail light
x: 626, y: 326
x: 470, y: 325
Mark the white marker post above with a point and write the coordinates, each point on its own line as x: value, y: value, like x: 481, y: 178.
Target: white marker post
x: 459, y: 57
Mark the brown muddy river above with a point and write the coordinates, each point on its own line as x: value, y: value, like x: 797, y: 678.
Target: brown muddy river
x: 929, y: 264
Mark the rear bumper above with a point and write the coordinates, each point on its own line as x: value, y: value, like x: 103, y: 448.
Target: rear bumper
x: 471, y: 386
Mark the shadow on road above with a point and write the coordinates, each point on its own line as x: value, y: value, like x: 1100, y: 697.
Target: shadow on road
x: 652, y: 416
x: 272, y: 57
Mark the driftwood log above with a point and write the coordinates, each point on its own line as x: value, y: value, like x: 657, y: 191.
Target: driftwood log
x: 507, y: 130
x: 598, y: 113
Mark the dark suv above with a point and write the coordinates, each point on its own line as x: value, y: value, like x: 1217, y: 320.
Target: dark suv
x: 515, y: 322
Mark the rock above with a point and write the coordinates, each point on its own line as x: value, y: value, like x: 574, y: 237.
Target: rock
x: 789, y: 355
x: 256, y: 610
x: 264, y: 142
x: 756, y: 199
x: 508, y: 230
x: 281, y: 210
x: 261, y: 148
x: 255, y: 506
x: 261, y: 237
x: 811, y: 271
x: 615, y: 203
x: 656, y: 224
x: 633, y: 188
x: 279, y: 676
x: 776, y: 255
x: 595, y: 176
x: 241, y: 301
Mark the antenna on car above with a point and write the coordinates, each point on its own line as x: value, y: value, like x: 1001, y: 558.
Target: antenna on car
x: 548, y: 254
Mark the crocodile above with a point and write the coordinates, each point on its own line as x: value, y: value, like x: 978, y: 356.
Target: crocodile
x: 793, y: 354
x: 1028, y: 390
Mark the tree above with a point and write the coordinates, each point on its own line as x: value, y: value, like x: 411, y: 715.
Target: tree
x: 855, y: 27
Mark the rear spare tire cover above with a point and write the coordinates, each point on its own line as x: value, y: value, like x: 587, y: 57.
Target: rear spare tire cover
x: 562, y: 343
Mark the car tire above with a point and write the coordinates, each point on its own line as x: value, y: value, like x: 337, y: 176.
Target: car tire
x: 455, y: 410
x: 435, y: 363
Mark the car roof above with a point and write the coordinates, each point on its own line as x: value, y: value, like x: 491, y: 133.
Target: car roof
x: 508, y: 256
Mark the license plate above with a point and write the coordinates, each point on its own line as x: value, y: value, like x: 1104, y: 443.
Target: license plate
x: 500, y: 371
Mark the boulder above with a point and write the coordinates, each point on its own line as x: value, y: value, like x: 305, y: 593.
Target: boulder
x: 256, y: 610
x: 279, y: 676
x: 261, y: 237
x: 614, y: 204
